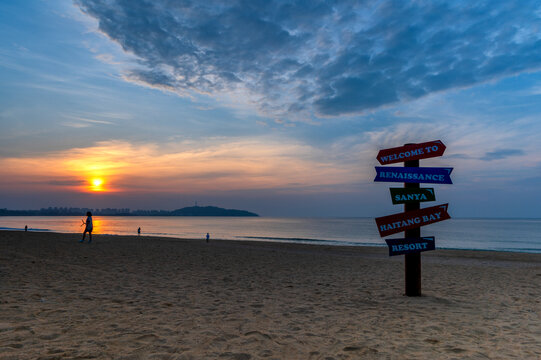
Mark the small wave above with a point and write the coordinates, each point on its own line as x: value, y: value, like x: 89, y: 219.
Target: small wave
x: 521, y: 250
x: 22, y: 229
x: 288, y: 239
x: 158, y: 234
x: 514, y: 250
x: 309, y: 240
x: 280, y: 238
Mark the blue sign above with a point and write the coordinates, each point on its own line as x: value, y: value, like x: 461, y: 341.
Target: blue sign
x: 410, y: 245
x: 414, y: 175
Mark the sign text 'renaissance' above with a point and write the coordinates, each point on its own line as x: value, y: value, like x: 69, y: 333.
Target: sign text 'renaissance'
x: 431, y: 175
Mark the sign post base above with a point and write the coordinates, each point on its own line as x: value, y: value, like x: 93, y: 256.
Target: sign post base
x: 412, y: 262
x: 412, y: 266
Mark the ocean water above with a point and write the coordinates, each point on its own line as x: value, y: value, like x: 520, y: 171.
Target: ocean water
x: 520, y: 235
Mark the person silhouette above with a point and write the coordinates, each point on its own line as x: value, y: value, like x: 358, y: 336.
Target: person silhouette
x: 208, y: 236
x: 88, y: 227
x: 26, y: 228
x: 139, y: 231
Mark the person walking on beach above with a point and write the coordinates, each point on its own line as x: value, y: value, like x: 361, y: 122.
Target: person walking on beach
x: 139, y: 231
x: 26, y: 228
x: 88, y: 228
x: 208, y: 236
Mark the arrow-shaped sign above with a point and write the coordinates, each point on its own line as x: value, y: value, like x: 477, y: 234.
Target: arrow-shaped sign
x: 417, y: 175
x: 410, y: 245
x: 411, y: 152
x: 410, y: 195
x: 392, y: 224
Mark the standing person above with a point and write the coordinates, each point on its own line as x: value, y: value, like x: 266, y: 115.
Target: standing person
x: 88, y: 228
x: 26, y: 228
x: 139, y: 231
x: 208, y: 236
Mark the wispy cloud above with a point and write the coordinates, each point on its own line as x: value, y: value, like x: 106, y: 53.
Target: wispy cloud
x: 89, y: 121
x: 321, y: 58
x: 83, y: 122
x: 501, y: 154
x: 108, y: 59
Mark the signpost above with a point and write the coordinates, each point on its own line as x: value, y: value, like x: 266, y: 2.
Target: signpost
x: 414, y: 175
x: 412, y: 261
x: 413, y: 217
x: 404, y: 195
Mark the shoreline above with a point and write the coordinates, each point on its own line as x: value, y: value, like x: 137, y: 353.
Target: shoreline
x: 300, y: 241
x: 152, y: 297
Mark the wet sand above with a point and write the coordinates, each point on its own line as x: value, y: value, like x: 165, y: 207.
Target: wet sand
x: 153, y: 298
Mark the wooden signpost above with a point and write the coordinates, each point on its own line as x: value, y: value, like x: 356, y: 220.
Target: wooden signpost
x: 413, y: 217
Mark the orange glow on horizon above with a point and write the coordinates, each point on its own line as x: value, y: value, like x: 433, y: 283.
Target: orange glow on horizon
x: 120, y: 167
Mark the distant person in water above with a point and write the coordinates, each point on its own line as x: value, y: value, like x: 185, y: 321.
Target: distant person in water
x: 88, y: 227
x: 208, y: 236
x: 139, y: 231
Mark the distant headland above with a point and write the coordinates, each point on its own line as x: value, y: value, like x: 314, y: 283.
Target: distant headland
x: 186, y: 211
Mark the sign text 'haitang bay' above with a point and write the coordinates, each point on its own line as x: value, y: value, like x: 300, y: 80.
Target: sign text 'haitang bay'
x: 392, y: 224
x: 411, y: 152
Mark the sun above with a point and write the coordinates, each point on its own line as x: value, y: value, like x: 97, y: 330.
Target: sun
x: 96, y: 184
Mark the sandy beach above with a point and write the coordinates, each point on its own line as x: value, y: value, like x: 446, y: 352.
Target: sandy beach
x: 155, y: 298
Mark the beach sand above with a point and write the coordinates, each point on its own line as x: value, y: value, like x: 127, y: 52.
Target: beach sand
x: 155, y: 298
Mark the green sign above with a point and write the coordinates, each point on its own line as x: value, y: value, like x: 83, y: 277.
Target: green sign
x: 406, y: 195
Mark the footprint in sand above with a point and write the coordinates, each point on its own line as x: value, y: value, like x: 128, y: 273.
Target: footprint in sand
x: 236, y: 356
x: 49, y: 336
x: 258, y: 334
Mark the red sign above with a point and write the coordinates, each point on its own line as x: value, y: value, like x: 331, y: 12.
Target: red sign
x: 411, y: 152
x: 392, y: 224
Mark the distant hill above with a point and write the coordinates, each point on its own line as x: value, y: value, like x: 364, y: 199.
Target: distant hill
x: 210, y: 211
x: 187, y: 211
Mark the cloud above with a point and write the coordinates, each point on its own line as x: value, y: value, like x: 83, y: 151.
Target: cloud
x: 460, y: 157
x: 108, y: 59
x: 84, y: 122
x: 501, y: 154
x: 87, y: 121
x: 176, y: 167
x: 66, y: 182
x: 318, y: 57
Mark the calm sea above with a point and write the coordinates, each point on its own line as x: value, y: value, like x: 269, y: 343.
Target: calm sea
x: 478, y: 234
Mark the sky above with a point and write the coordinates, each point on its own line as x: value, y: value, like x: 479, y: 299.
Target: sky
x: 276, y: 107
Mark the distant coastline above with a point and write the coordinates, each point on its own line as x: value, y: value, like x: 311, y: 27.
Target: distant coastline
x: 186, y: 211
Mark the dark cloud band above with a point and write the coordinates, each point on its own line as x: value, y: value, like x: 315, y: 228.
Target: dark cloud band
x: 322, y: 57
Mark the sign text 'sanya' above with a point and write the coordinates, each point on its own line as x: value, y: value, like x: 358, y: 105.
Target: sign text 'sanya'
x: 410, y: 195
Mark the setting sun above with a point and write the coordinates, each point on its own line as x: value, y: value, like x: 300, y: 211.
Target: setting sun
x: 96, y: 184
